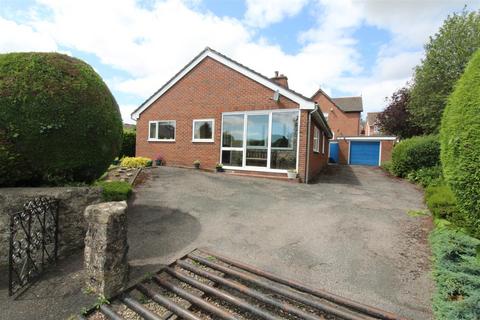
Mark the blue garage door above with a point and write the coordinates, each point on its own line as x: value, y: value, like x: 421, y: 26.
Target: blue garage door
x: 364, y: 152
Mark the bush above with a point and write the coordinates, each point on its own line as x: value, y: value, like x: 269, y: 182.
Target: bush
x: 456, y: 271
x: 460, y: 140
x: 415, y: 153
x: 58, y: 119
x: 128, y: 145
x: 137, y: 162
x: 115, y: 190
x: 426, y: 176
x: 441, y: 201
x: 387, y: 166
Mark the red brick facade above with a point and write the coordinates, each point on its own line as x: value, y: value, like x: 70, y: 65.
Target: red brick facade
x: 205, y: 92
x: 341, y: 123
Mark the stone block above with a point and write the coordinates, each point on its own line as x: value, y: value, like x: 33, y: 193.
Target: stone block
x: 106, y: 248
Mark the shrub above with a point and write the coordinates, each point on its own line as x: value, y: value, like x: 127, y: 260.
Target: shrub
x: 57, y: 118
x: 415, y: 153
x: 456, y: 271
x: 115, y: 190
x: 460, y: 140
x: 441, y: 201
x: 387, y: 166
x: 426, y: 176
x: 136, y: 162
x: 128, y: 144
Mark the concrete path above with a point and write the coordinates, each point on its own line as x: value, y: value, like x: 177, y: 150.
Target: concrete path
x: 349, y: 233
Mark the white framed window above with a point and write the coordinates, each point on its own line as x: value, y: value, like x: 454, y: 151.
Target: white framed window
x: 162, y: 130
x: 323, y: 143
x: 203, y: 130
x: 316, y: 139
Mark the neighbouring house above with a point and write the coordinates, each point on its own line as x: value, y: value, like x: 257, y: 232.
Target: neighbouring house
x: 371, y: 127
x: 347, y: 145
x: 343, y: 114
x: 217, y: 110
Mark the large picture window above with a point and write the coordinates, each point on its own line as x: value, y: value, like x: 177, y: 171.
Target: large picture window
x: 162, y: 130
x: 203, y: 130
x: 260, y: 140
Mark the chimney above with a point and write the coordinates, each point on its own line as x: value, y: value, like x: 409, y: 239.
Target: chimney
x: 280, y: 79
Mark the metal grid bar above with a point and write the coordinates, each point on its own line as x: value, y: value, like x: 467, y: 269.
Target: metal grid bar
x: 239, y: 285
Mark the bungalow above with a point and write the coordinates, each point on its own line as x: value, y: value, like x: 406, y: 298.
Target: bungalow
x: 216, y: 110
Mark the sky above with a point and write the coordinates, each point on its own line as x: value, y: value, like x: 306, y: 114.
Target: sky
x: 346, y: 47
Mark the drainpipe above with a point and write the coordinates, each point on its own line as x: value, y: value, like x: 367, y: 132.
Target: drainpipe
x: 307, y: 169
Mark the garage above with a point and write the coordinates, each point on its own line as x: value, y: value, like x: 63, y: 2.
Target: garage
x: 365, y: 153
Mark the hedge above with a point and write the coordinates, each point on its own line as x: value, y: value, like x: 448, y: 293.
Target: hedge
x: 115, y: 190
x: 456, y: 270
x: 132, y: 162
x: 460, y: 141
x: 58, y: 120
x: 441, y: 201
x: 128, y: 145
x: 412, y: 154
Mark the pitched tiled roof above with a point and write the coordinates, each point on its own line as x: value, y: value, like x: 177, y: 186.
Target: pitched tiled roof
x: 349, y: 104
x: 147, y: 102
x: 372, y: 117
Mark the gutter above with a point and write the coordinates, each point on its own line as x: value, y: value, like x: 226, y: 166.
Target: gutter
x: 307, y: 169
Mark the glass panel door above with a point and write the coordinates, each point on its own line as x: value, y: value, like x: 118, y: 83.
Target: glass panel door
x: 256, y: 153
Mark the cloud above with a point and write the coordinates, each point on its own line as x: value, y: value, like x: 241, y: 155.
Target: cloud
x: 16, y: 37
x: 152, y: 44
x: 264, y: 13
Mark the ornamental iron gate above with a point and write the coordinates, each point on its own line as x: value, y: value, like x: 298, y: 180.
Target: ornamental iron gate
x: 33, y: 241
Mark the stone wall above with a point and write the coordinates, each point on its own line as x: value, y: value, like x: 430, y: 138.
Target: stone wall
x: 71, y: 221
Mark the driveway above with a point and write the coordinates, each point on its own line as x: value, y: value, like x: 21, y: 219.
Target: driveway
x: 349, y: 233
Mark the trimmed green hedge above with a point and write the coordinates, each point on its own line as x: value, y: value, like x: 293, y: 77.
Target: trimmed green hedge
x: 128, y: 145
x: 441, y: 201
x: 412, y: 154
x: 115, y: 190
x: 426, y: 176
x: 460, y: 140
x: 456, y: 271
x: 58, y: 120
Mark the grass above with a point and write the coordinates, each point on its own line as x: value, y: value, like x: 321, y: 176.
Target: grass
x: 115, y: 190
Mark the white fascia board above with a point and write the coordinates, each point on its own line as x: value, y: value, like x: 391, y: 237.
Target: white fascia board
x: 303, y: 104
x: 367, y: 138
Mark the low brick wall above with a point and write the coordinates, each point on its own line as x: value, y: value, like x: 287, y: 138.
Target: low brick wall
x: 71, y: 221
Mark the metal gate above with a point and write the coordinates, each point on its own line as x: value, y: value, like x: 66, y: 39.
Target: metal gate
x: 33, y: 241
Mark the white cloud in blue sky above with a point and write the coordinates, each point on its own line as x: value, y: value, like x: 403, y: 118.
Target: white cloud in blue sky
x: 347, y: 47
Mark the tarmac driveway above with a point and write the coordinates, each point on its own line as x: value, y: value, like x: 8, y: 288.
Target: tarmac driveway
x: 349, y: 233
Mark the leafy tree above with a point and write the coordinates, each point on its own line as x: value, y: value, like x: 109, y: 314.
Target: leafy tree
x: 396, y: 119
x: 447, y: 54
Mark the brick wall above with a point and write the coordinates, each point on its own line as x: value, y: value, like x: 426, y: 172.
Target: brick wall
x: 205, y: 92
x: 341, y: 123
x: 387, y: 148
x: 318, y: 160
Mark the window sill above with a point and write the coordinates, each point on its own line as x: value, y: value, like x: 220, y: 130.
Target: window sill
x: 203, y: 141
x: 160, y: 140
